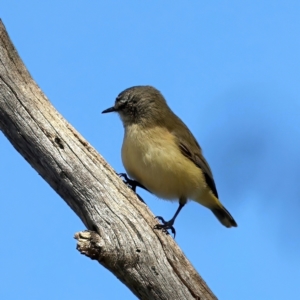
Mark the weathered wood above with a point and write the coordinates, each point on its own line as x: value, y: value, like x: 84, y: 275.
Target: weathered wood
x: 120, y: 235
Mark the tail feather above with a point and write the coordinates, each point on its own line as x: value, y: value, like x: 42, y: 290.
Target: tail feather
x: 224, y: 216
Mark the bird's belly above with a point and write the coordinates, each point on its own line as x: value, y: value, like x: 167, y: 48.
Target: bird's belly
x: 158, y: 164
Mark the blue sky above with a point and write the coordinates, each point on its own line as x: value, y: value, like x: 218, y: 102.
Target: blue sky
x: 230, y: 70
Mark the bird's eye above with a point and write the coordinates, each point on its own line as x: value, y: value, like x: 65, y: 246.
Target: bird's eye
x: 121, y: 103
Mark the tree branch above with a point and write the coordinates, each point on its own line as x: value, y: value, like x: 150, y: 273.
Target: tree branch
x: 120, y: 235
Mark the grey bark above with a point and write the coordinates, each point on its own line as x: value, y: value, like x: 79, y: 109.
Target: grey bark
x: 120, y: 233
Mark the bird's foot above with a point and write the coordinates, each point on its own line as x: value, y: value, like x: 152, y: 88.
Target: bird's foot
x: 165, y: 226
x: 132, y: 184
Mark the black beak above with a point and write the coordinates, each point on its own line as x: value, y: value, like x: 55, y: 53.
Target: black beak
x: 111, y: 109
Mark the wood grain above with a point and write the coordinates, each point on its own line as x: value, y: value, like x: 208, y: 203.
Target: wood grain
x: 120, y: 232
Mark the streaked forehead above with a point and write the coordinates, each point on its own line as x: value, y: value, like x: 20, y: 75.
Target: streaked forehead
x: 136, y: 92
x: 124, y: 95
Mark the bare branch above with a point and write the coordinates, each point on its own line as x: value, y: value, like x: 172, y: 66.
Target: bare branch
x: 121, y: 235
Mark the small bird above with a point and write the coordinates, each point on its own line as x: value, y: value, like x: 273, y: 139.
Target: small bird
x: 161, y: 154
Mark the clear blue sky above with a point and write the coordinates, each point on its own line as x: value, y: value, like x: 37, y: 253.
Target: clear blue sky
x: 230, y: 70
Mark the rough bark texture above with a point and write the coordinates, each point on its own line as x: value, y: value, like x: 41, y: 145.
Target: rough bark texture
x: 120, y: 235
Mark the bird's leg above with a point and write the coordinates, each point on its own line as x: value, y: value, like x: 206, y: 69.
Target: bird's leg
x: 169, y: 224
x: 132, y: 183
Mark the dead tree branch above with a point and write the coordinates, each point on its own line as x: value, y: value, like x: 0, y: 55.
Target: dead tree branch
x: 120, y: 235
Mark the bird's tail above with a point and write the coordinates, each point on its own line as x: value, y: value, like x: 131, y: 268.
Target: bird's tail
x: 224, y: 216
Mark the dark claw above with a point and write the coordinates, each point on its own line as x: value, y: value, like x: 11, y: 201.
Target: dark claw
x: 165, y: 226
x: 132, y: 184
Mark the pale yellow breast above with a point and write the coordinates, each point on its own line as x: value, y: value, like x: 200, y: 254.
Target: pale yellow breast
x: 152, y: 157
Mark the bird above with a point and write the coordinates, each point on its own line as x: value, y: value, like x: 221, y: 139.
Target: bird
x: 160, y: 154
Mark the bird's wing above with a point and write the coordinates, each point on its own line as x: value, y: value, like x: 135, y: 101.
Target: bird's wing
x: 197, y: 158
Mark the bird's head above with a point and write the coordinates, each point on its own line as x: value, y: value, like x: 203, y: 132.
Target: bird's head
x: 139, y: 104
